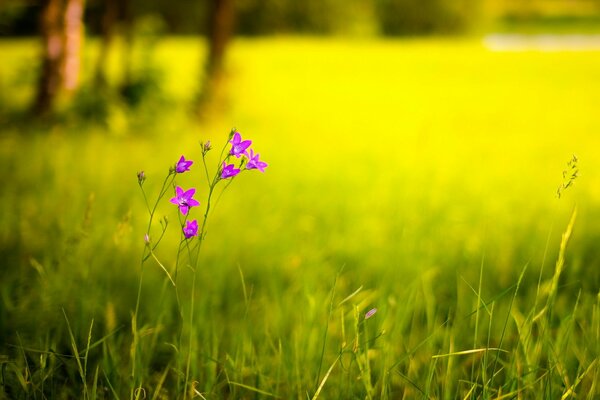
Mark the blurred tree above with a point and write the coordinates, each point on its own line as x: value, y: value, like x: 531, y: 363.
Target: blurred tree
x: 19, y: 17
x: 221, y: 18
x: 61, y: 28
x: 409, y: 17
x: 220, y: 29
x: 110, y: 17
x: 309, y: 16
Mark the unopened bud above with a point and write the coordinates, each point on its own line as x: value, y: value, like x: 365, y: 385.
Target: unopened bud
x: 141, y: 177
x: 233, y: 132
x: 206, y: 147
x: 370, y: 313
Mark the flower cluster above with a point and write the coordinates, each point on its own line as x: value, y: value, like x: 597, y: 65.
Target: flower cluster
x: 235, y: 157
x: 240, y: 148
x: 184, y: 199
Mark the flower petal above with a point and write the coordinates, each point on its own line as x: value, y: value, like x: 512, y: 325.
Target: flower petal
x: 188, y: 194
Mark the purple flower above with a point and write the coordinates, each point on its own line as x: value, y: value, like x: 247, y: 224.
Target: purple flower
x: 228, y: 171
x: 238, y: 146
x: 255, y: 163
x: 190, y: 229
x: 184, y: 199
x: 183, y: 165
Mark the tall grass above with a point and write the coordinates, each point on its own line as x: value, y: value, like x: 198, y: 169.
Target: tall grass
x: 417, y: 177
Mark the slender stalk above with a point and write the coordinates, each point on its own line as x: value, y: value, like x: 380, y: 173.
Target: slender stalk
x: 163, y: 191
x: 205, y: 168
x: 194, y: 255
x: 477, y: 312
x: 326, y: 330
x: 152, y: 211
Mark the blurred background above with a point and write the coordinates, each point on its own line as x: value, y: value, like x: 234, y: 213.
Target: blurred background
x: 62, y: 65
x: 408, y: 141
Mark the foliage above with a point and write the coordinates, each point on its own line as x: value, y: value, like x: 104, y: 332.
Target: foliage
x: 259, y: 17
x: 313, y: 16
x: 402, y: 17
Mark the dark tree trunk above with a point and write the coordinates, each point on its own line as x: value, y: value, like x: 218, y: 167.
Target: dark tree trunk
x: 126, y: 11
x: 110, y: 18
x: 61, y: 28
x: 220, y: 29
x: 52, y: 55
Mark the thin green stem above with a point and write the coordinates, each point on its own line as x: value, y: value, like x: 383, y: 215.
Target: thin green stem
x: 191, y: 337
x: 477, y: 313
x: 152, y: 212
x: 205, y: 168
x: 327, y: 327
x: 145, y: 198
x: 194, y: 255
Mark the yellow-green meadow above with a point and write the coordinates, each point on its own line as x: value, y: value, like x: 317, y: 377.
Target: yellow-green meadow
x: 415, y: 176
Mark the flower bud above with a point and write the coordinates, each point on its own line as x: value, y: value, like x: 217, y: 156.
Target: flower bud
x: 141, y: 177
x: 370, y: 313
x: 206, y: 147
x: 233, y: 132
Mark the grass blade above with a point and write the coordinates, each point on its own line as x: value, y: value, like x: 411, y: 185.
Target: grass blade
x: 472, y: 351
x: 77, y: 357
x: 318, y: 392
x: 570, y: 391
x: 253, y: 389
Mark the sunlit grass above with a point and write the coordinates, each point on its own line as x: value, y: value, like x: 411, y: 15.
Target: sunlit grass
x: 422, y: 172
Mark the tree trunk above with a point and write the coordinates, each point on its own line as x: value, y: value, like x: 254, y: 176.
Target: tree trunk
x: 127, y: 13
x: 52, y: 56
x: 109, y: 21
x: 220, y: 29
x: 61, y: 28
x: 73, y: 37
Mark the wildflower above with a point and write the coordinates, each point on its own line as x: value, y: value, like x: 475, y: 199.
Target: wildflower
x: 229, y: 171
x: 238, y: 146
x: 184, y: 199
x: 255, y: 163
x: 190, y: 229
x: 147, y: 238
x: 183, y: 165
x: 370, y: 313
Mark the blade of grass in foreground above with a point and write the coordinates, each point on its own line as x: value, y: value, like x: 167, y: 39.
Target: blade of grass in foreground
x: 80, y: 367
x: 253, y: 389
x: 560, y: 262
x: 318, y: 392
x: 471, y: 351
x: 327, y: 325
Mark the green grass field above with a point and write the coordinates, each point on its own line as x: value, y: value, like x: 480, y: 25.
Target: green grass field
x: 414, y: 176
